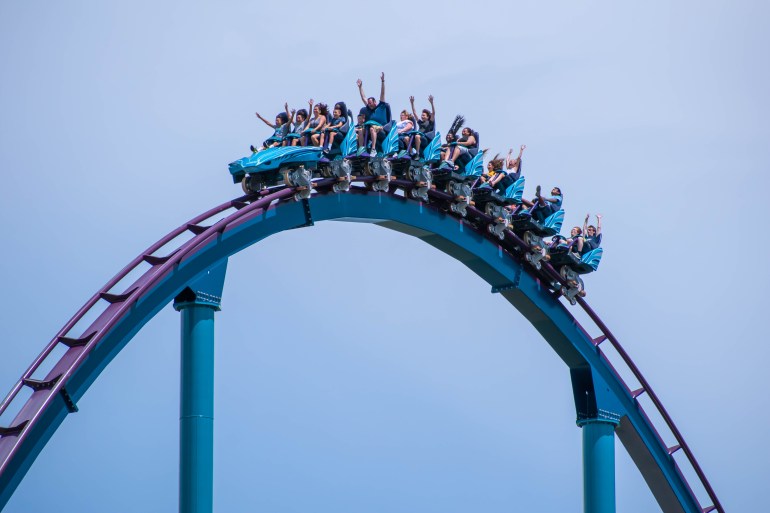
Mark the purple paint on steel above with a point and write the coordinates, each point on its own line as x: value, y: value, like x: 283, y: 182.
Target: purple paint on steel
x: 12, y: 436
x: 656, y: 401
x: 71, y: 359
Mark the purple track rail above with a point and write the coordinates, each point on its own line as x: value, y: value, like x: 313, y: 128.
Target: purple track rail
x: 13, y: 436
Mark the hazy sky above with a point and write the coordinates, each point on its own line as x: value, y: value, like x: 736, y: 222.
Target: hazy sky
x: 341, y: 386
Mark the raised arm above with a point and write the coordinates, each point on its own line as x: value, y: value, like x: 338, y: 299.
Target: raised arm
x: 598, y: 224
x: 361, y: 90
x: 432, y: 108
x: 585, y: 223
x: 266, y: 121
x: 382, y: 87
x: 414, y: 112
x: 289, y: 115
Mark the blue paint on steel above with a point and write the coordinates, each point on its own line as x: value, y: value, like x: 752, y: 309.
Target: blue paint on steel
x: 197, y: 303
x: 549, y: 317
x: 554, y: 221
x: 515, y: 191
x: 433, y: 151
x: 390, y: 145
x: 196, y: 420
x: 593, y: 258
x: 598, y: 466
x: 349, y: 144
x: 275, y: 158
x: 475, y: 167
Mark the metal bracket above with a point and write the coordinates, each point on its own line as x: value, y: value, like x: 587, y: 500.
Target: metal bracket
x: 503, y: 288
x: 308, y: 212
x: 71, y: 406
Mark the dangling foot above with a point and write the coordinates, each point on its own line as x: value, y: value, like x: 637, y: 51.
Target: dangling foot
x: 537, y: 192
x: 253, y: 149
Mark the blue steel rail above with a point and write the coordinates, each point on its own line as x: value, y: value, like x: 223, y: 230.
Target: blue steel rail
x: 258, y: 216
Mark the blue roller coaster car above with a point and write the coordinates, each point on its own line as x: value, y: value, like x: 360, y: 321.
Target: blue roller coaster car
x: 292, y: 165
x: 458, y: 181
x: 571, y: 265
x: 336, y: 162
x: 496, y: 201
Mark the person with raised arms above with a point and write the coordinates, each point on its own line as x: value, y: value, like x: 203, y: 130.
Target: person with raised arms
x: 376, y: 114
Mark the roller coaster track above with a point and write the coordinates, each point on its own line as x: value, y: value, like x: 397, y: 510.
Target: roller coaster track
x: 257, y: 216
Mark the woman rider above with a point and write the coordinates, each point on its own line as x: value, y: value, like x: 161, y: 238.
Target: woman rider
x: 335, y: 126
x: 426, y: 124
x: 317, y: 124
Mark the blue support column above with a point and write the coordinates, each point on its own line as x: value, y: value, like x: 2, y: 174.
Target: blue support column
x: 598, y: 465
x: 197, y: 304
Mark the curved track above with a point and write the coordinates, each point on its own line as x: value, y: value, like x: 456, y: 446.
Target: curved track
x: 258, y: 216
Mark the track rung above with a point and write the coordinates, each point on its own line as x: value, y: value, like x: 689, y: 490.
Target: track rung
x: 636, y: 393
x: 197, y: 229
x: 673, y: 449
x: 77, y: 342
x: 598, y: 340
x: 13, y: 430
x: 155, y: 260
x: 710, y: 508
x: 116, y: 298
x: 36, y: 384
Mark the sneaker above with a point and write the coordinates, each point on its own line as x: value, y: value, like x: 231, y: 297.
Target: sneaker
x: 537, y: 191
x: 253, y: 149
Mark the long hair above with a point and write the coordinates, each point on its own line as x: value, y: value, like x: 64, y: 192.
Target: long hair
x: 457, y: 124
x: 323, y: 109
x: 497, y: 163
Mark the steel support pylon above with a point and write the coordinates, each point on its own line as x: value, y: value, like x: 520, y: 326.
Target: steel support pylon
x: 598, y: 465
x: 197, y: 305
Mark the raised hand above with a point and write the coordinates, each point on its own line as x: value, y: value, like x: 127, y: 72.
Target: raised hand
x: 430, y: 99
x: 286, y: 105
x: 411, y: 100
x: 587, y: 217
x: 257, y: 113
x: 598, y: 216
x: 523, y: 147
x: 510, y: 151
x: 382, y: 76
x: 359, y: 83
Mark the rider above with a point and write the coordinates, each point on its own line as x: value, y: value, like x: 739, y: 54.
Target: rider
x: 335, y: 126
x: 465, y: 144
x: 593, y: 234
x: 376, y: 114
x: 426, y: 124
x: 404, y: 127
x: 300, y: 123
x: 318, y: 123
x: 576, y: 240
x: 280, y: 129
x: 502, y: 181
x: 540, y: 208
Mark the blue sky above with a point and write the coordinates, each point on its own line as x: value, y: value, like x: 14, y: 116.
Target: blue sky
x: 118, y: 120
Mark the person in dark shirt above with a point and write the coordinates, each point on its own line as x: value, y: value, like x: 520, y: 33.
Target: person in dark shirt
x: 593, y: 234
x: 335, y: 126
x: 426, y: 124
x: 540, y: 207
x: 280, y: 129
x: 376, y: 114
